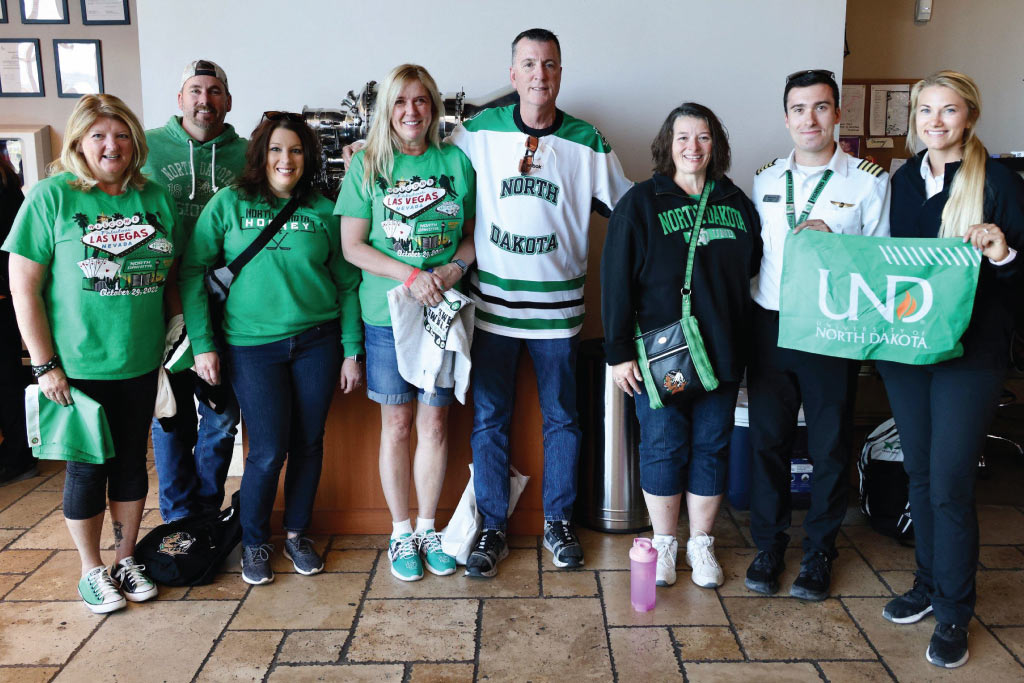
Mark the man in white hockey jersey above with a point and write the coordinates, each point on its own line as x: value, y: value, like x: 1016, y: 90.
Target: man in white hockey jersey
x: 540, y: 173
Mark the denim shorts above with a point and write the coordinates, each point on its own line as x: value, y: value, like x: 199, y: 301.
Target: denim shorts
x: 384, y: 384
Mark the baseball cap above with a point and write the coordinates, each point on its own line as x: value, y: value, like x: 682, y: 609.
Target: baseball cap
x: 204, y: 67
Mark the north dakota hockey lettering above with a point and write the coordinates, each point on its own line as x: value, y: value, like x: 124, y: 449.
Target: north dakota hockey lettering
x: 521, y: 244
x: 681, y: 218
x: 526, y: 186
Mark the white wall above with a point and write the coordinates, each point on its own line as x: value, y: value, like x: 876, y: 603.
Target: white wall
x: 626, y: 64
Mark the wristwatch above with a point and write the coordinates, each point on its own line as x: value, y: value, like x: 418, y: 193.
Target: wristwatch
x: 461, y: 264
x: 356, y: 357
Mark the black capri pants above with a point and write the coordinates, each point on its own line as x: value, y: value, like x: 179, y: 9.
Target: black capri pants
x: 128, y: 404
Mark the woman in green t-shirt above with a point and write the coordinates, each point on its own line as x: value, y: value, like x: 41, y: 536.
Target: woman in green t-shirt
x: 91, y: 250
x: 407, y: 207
x: 291, y: 309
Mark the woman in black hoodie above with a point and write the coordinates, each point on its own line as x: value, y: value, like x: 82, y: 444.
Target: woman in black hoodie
x: 952, y: 189
x: 683, y: 445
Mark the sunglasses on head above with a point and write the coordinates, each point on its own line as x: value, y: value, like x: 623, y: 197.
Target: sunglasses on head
x: 526, y: 163
x: 825, y: 73
x: 283, y: 115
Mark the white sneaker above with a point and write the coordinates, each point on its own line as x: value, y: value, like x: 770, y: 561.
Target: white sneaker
x: 700, y: 554
x: 666, y: 570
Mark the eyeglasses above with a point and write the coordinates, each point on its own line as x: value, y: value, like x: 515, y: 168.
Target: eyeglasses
x: 825, y: 73
x: 283, y: 115
x: 526, y: 163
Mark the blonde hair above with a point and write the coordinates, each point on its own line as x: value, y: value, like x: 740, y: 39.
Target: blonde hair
x: 966, y: 203
x: 382, y: 142
x: 87, y: 111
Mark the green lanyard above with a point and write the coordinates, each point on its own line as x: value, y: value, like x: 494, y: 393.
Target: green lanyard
x: 790, y: 201
x: 698, y: 226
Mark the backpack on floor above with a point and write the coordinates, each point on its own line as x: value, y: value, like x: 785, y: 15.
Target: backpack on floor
x: 884, y: 484
x: 190, y: 551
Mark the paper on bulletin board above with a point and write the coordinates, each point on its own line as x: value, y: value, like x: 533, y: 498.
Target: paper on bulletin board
x: 890, y: 109
x: 851, y: 122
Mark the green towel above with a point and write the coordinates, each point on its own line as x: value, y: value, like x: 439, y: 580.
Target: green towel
x: 78, y: 432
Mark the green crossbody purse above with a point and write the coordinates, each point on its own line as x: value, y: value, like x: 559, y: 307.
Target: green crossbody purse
x: 672, y: 359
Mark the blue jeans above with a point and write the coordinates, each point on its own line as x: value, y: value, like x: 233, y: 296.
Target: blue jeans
x: 384, y: 383
x: 285, y: 390
x: 495, y: 358
x: 192, y: 461
x: 687, y: 445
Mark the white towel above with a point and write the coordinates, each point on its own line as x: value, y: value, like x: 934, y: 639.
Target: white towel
x: 432, y: 342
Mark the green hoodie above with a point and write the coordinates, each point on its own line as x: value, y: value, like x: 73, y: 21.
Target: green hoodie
x: 299, y: 280
x: 193, y: 176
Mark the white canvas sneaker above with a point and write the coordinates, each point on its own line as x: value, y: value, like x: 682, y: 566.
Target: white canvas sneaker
x: 700, y: 555
x: 665, y: 573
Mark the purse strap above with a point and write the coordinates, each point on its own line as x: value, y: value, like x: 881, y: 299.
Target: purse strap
x: 698, y: 228
x: 264, y: 237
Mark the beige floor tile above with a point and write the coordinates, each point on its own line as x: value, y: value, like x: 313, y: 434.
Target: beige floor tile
x: 441, y: 673
x: 29, y: 509
x: 903, y: 647
x: 150, y: 520
x: 1012, y: 637
x: 644, y: 654
x: 569, y: 584
x: 1000, y: 597
x: 241, y: 656
x: 350, y: 560
x: 372, y: 541
x: 1000, y: 557
x: 517, y: 577
x: 880, y: 551
x: 171, y: 593
x: 52, y: 482
x: 176, y: 637
x: 293, y: 601
x: 850, y: 574
x: 34, y: 674
x: 399, y: 630
x: 701, y: 643
x: 8, y: 535
x: 600, y: 550
x: 21, y: 561
x: 224, y: 587
x: 281, y: 564
x: 727, y: 533
x: 785, y: 628
x: 350, y: 673
x: 855, y: 672
x: 42, y: 632
x: 683, y: 604
x: 762, y: 673
x: 8, y: 582
x: 48, y: 467
x: 899, y: 580
x: 12, y: 492
x: 312, y: 646
x: 531, y: 639
x: 56, y: 579
x: 520, y: 541
x: 1000, y: 524
x: 52, y: 533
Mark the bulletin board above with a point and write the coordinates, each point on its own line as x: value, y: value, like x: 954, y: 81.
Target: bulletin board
x: 875, y: 117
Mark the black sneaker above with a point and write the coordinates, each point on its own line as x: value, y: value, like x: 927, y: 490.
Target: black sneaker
x: 763, y: 573
x: 565, y: 547
x: 909, y: 608
x: 814, y: 579
x: 12, y: 473
x: 948, y: 647
x: 256, y: 564
x: 489, y: 551
x: 303, y: 555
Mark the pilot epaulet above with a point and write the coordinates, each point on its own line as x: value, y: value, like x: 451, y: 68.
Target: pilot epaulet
x: 870, y: 167
x: 766, y: 166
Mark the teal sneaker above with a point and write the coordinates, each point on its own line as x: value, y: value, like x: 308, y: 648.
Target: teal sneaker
x: 99, y: 592
x: 435, y: 559
x: 404, y: 554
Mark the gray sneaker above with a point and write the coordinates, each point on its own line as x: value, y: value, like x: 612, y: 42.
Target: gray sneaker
x: 256, y: 564
x: 303, y: 555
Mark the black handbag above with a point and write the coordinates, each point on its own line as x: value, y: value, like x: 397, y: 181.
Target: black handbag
x: 218, y: 279
x: 673, y: 361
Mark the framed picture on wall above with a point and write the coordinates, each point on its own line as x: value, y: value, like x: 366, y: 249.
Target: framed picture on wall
x: 105, y: 12
x: 21, y: 69
x: 44, y: 12
x: 3, y: 11
x: 79, y: 67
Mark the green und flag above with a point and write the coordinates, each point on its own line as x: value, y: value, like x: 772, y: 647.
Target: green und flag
x: 907, y: 300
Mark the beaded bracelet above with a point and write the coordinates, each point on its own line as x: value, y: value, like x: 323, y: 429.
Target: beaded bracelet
x: 40, y: 370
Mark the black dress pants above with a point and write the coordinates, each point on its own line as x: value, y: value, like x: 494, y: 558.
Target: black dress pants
x: 14, y: 451
x: 778, y: 380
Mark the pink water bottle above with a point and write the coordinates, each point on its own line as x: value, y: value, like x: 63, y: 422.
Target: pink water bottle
x: 643, y: 562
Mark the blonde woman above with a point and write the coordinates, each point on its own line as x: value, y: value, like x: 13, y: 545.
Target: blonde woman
x: 406, y: 210
x: 93, y: 252
x: 952, y: 189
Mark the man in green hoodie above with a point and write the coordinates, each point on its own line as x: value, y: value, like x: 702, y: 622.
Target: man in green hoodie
x: 193, y: 156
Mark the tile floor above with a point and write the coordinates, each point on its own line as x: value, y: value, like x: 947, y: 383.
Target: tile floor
x: 355, y: 622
